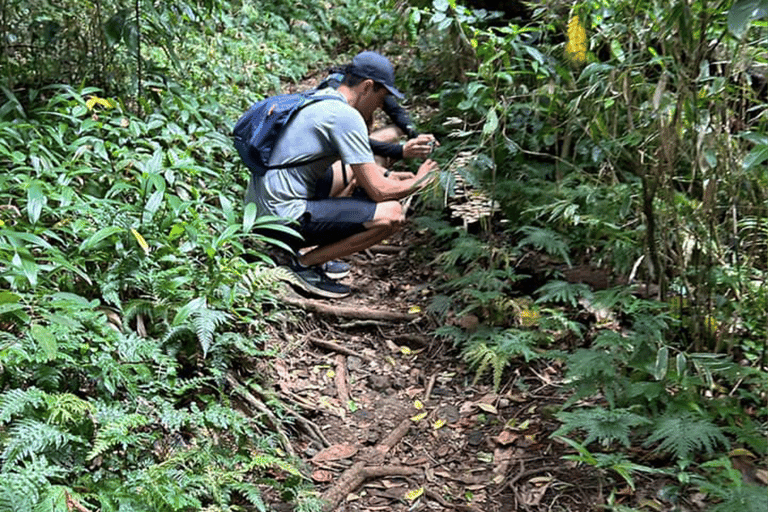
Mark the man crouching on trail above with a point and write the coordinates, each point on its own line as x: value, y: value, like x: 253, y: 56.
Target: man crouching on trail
x: 321, y: 133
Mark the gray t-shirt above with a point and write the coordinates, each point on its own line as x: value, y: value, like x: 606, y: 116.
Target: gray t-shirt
x: 328, y: 128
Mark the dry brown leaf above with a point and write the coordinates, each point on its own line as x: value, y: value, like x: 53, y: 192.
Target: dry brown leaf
x: 322, y: 476
x: 506, y: 438
x: 335, y: 452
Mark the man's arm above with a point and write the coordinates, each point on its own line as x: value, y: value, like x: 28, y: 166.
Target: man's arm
x: 379, y: 188
x: 399, y: 116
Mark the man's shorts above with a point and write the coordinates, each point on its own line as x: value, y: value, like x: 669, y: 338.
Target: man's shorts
x: 327, y: 221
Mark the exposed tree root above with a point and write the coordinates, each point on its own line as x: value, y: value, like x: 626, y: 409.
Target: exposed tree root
x: 262, y: 408
x: 362, y: 313
x: 371, y: 468
x: 335, y: 347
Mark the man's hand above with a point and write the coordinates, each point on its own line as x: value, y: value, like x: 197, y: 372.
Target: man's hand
x: 426, y: 173
x: 420, y: 147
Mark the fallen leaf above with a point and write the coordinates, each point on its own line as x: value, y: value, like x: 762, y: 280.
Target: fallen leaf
x: 335, y: 452
x: 322, y: 476
x: 419, y: 417
x: 415, y: 493
x: 488, y: 408
x: 506, y: 437
x: 438, y: 424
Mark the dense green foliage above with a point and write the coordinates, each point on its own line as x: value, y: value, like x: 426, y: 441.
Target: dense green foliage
x: 644, y: 156
x: 126, y: 299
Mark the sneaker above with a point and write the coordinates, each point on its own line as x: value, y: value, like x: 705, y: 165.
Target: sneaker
x: 314, y: 281
x: 336, y: 269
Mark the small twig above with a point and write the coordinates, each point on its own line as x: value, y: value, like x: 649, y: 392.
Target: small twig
x: 342, y: 384
x: 362, y: 323
x: 445, y: 504
x: 430, y: 386
x: 388, y: 249
x: 73, y: 504
x: 335, y: 347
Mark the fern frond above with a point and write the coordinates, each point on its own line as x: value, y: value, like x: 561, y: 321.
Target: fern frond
x: 66, y: 408
x: 28, y: 437
x: 601, y: 424
x: 262, y: 277
x: 744, y: 498
x: 497, y: 348
x: 263, y: 461
x: 205, y: 322
x: 552, y: 242
x: 684, y: 435
x: 15, y: 401
x: 252, y: 494
x: 117, y: 432
x: 24, y: 485
x: 563, y: 292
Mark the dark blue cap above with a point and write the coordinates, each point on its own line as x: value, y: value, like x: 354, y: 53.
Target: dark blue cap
x: 376, y: 67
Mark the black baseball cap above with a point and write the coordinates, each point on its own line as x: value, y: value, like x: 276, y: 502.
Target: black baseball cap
x: 376, y: 67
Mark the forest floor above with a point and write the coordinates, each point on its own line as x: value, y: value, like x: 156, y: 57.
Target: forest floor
x: 392, y: 420
x: 397, y: 423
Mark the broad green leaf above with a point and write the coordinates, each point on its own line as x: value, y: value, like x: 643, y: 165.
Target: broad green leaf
x: 98, y: 236
x: 742, y: 13
x: 757, y: 156
x: 35, y: 201
x: 491, y: 123
x: 153, y: 204
x: 27, y: 266
x: 662, y: 363
x: 45, y: 339
x: 249, y: 217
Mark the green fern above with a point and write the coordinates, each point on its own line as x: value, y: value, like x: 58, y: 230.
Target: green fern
x: 205, y: 322
x: 563, y: 292
x: 496, y: 349
x: 25, y: 484
x: 744, y: 498
x: 551, y: 242
x: 684, y: 435
x: 16, y: 401
x: 264, y: 461
x: 29, y: 437
x: 601, y: 424
x: 64, y: 408
x: 119, y: 431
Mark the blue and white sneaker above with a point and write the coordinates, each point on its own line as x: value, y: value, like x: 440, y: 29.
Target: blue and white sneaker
x: 336, y: 269
x: 315, y: 282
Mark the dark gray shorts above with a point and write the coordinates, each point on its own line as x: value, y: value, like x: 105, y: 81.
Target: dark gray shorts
x: 327, y: 221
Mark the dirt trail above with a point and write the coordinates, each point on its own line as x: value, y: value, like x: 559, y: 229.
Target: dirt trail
x: 397, y: 423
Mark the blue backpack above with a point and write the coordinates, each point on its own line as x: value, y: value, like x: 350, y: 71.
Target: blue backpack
x: 257, y: 131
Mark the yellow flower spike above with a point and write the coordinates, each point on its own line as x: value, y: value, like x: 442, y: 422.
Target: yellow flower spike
x: 576, y: 48
x: 140, y: 239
